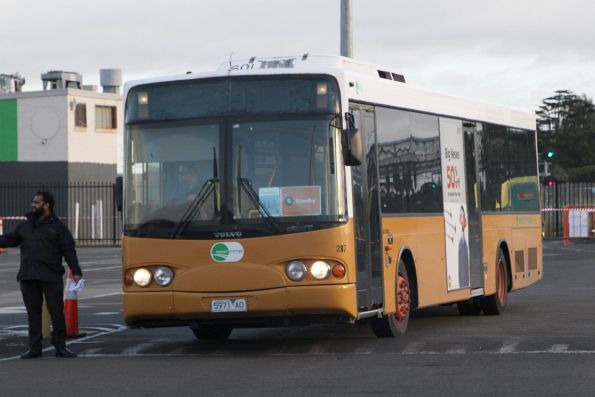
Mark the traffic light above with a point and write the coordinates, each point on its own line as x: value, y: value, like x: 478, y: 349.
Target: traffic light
x: 549, y: 181
x: 549, y: 154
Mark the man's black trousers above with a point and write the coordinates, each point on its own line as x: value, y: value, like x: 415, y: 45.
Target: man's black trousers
x: 33, y: 292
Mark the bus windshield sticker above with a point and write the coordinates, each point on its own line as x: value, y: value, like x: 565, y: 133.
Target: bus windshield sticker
x: 301, y: 200
x: 270, y: 198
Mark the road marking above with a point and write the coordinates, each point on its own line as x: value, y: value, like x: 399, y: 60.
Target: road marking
x: 91, y: 351
x: 413, y: 347
x: 13, y: 310
x: 509, y: 346
x: 89, y: 342
x: 96, y: 269
x: 180, y: 352
x: 456, y: 350
x: 133, y: 351
x: 101, y: 296
x: 558, y: 348
x: 109, y: 261
x: 364, y: 350
x: 119, y: 328
x: 12, y: 333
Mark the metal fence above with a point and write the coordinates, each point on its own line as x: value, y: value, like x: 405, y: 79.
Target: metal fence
x: 560, y: 195
x: 88, y: 208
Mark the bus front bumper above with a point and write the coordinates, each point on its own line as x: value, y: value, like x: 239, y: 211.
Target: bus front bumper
x: 279, y: 306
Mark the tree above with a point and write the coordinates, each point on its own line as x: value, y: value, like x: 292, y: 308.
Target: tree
x: 566, y: 126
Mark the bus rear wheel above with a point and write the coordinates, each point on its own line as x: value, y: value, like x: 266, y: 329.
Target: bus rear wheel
x: 395, y: 324
x: 495, y: 304
x: 220, y: 332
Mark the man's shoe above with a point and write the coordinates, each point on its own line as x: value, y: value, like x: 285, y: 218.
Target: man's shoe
x: 31, y: 354
x: 64, y: 352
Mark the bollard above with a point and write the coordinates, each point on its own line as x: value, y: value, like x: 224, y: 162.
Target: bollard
x: 45, y: 320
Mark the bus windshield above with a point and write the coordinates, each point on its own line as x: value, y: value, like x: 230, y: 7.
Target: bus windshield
x: 241, y: 174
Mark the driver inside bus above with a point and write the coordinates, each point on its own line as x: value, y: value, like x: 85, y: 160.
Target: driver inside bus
x: 189, y: 185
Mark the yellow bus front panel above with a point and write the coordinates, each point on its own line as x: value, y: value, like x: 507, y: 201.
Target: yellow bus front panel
x: 259, y: 277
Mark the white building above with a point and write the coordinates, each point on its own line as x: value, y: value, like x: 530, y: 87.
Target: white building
x: 66, y: 133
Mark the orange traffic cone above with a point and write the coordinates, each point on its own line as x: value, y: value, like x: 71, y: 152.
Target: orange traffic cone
x: 2, y: 250
x: 71, y: 309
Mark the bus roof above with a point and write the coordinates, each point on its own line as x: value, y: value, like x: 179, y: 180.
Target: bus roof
x: 364, y: 82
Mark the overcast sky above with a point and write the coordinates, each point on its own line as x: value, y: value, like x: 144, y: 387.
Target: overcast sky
x: 511, y: 52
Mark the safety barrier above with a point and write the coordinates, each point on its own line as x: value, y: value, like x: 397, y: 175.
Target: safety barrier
x: 579, y: 222
x: 558, y: 196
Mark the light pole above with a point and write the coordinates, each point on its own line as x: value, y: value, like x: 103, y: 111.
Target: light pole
x: 346, y: 31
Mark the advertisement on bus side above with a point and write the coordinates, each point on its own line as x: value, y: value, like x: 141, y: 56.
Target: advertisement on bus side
x: 455, y: 204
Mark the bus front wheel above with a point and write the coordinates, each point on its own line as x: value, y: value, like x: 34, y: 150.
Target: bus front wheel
x: 495, y: 304
x: 220, y: 332
x: 395, y: 324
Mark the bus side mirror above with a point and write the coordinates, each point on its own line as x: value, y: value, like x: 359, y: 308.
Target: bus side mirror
x: 119, y: 193
x: 351, y: 140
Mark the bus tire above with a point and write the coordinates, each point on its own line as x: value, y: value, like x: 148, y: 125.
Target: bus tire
x: 394, y: 324
x: 470, y: 307
x: 220, y: 332
x: 495, y: 304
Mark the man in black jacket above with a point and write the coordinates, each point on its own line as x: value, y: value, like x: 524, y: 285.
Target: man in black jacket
x: 44, y: 241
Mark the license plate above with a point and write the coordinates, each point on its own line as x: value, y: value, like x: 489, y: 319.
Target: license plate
x: 229, y: 305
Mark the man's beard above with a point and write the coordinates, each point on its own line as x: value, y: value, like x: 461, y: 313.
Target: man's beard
x: 37, y: 213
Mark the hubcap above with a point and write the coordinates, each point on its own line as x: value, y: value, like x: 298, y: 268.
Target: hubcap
x: 403, y: 300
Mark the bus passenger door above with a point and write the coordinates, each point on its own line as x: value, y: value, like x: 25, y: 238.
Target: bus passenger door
x: 473, y: 201
x: 367, y: 215
x: 462, y: 220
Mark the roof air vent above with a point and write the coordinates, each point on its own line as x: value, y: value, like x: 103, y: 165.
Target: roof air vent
x: 384, y: 75
x: 398, y: 77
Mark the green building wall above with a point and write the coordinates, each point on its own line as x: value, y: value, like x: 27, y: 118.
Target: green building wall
x: 9, y: 150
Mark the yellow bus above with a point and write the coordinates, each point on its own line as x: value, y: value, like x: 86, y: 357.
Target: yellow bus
x: 320, y: 189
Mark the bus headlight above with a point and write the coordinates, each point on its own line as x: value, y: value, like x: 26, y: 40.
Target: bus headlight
x: 163, y: 276
x: 320, y: 270
x: 296, y: 270
x: 142, y: 277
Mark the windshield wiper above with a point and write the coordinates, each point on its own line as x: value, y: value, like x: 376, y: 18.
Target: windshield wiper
x: 195, y: 206
x: 243, y: 182
x: 209, y: 186
x: 253, y: 196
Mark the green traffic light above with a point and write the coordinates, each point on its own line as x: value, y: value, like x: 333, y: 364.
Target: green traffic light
x: 550, y: 154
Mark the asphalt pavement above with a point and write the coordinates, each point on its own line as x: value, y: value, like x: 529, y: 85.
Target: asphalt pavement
x: 543, y: 345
